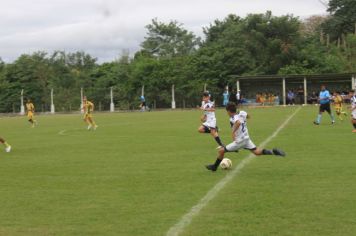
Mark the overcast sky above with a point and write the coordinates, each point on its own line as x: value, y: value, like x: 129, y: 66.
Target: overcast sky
x: 104, y: 28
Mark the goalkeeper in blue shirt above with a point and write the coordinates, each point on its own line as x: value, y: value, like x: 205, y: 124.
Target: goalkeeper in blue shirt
x: 324, y: 100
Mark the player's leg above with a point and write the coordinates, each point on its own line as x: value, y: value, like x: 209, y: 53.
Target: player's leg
x: 318, y: 118
x: 232, y: 147
x: 328, y: 109
x: 215, y: 134
x: 259, y: 151
x: 214, y: 167
x: 86, y: 120
x: 92, y: 122
x: 342, y: 111
x: 338, y: 112
x: 203, y: 129
x: 7, y: 146
x: 353, y: 122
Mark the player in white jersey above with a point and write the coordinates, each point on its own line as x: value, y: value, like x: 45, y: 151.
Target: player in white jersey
x: 209, y: 119
x: 240, y: 137
x: 353, y: 110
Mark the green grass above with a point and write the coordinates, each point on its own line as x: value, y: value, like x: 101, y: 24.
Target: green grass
x: 139, y: 173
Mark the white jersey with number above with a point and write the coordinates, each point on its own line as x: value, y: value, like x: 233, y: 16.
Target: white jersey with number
x: 242, y: 138
x: 353, y: 106
x: 210, y: 115
x: 242, y: 132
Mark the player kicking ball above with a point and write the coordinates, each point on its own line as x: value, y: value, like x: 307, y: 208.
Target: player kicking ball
x: 209, y: 119
x: 241, y: 138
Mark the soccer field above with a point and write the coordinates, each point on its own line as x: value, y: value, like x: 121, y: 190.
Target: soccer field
x: 140, y: 173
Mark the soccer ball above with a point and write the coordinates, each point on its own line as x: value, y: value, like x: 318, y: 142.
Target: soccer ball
x: 226, y: 164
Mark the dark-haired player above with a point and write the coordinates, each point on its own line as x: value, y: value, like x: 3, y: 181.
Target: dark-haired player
x: 338, y: 105
x: 31, y: 113
x: 209, y: 119
x: 241, y: 138
x: 324, y: 100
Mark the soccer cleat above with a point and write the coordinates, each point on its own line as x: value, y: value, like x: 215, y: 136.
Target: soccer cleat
x: 211, y: 167
x: 278, y: 152
x: 8, y: 149
x: 315, y: 123
x: 332, y: 122
x: 218, y: 147
x: 89, y: 127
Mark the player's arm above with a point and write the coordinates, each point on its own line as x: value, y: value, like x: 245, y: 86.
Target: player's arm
x: 235, y: 127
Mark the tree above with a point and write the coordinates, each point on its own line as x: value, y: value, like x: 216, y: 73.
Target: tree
x: 168, y: 40
x: 343, y: 18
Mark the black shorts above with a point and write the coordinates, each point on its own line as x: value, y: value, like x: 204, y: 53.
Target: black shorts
x: 325, y: 107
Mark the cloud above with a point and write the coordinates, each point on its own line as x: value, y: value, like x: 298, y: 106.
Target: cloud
x: 105, y: 28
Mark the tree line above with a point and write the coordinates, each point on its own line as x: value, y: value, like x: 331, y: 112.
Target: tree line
x: 257, y: 44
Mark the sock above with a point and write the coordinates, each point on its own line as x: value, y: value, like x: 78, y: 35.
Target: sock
x: 6, y: 144
x: 332, y: 117
x: 318, y: 119
x: 217, y: 139
x: 217, y: 162
x: 267, y: 152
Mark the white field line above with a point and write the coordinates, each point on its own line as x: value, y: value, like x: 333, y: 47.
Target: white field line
x: 195, y: 210
x: 62, y: 132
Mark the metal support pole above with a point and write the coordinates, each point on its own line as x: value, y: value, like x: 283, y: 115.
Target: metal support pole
x: 353, y: 82
x: 52, y: 104
x: 173, y: 98
x: 81, y: 100
x: 22, y: 108
x: 305, y: 91
x: 112, y: 105
x: 284, y: 91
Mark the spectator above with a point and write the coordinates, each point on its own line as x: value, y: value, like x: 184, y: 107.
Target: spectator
x: 226, y: 97
x: 290, y: 98
x: 300, y: 95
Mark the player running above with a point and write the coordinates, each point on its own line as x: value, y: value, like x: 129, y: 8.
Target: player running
x: 88, y: 108
x: 353, y: 110
x: 31, y: 112
x: 7, y: 146
x: 241, y: 138
x: 338, y: 105
x: 209, y: 119
x: 324, y: 100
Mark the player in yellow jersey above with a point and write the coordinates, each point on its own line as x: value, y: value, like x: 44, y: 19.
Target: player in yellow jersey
x: 88, y: 108
x: 31, y: 112
x: 338, y: 105
x: 7, y: 146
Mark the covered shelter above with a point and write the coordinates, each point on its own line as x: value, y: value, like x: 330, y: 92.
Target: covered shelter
x: 303, y: 85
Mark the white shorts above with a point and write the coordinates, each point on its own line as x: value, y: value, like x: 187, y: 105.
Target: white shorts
x: 210, y: 123
x: 245, y: 144
x: 353, y: 114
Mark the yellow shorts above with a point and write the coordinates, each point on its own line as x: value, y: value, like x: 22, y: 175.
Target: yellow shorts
x: 338, y: 109
x: 88, y: 115
x: 30, y: 115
